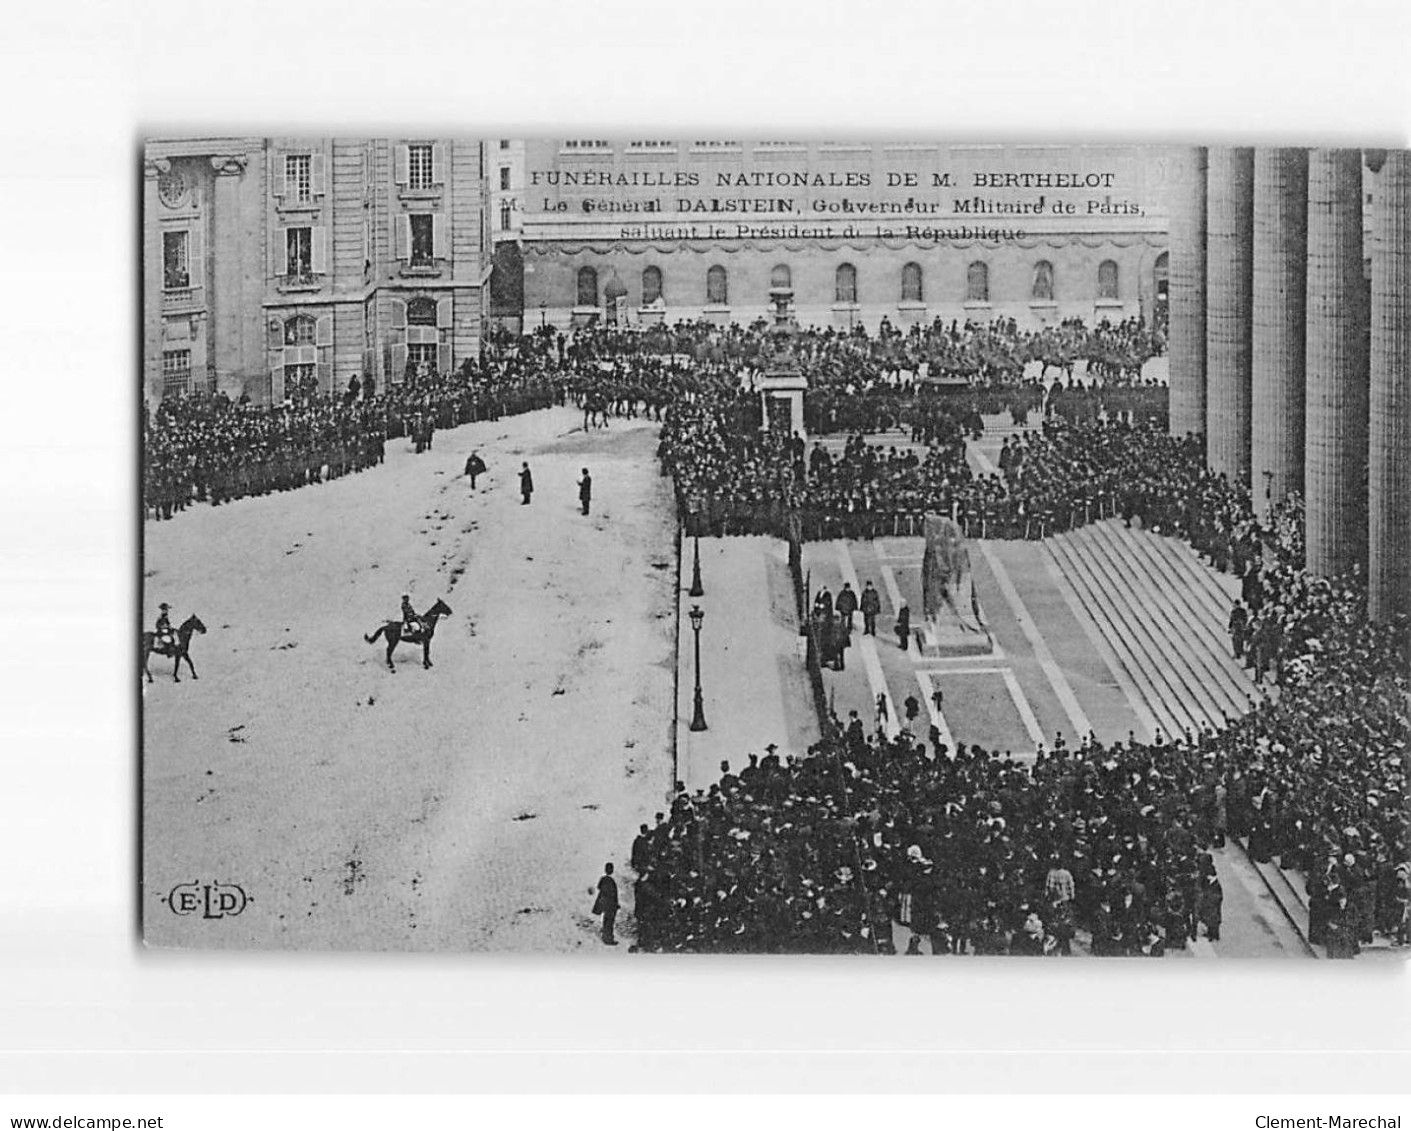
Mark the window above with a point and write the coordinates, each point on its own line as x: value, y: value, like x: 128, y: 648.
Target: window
x: 1043, y: 281
x: 977, y: 282
x: 299, y: 330
x: 300, y: 380
x: 504, y: 143
x: 845, y: 284
x: 651, y: 286
x: 717, y: 286
x: 505, y: 214
x: 423, y: 239
x: 715, y: 145
x: 650, y: 144
x: 300, y: 250
x: 585, y: 145
x: 176, y: 373
x: 504, y: 177
x: 1107, y: 279
x: 419, y: 166
x: 421, y: 311
x: 911, y: 283
x: 298, y: 176
x: 176, y: 268
x: 781, y: 278
x: 587, y: 287
x: 421, y: 358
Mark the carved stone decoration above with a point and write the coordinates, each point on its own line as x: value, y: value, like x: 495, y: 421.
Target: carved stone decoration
x: 229, y: 165
x: 173, y: 187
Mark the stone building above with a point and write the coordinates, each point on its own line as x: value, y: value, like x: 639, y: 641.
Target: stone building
x: 906, y: 231
x: 274, y: 264
x: 1291, y: 342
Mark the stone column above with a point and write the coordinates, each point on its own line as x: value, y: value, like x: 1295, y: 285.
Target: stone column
x: 1335, y: 420
x: 1229, y: 296
x: 151, y: 283
x: 1186, y: 293
x: 1389, y: 449
x: 227, y: 300
x: 1280, y: 294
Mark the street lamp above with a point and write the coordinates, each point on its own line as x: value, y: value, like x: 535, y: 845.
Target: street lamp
x: 697, y: 589
x: 698, y: 719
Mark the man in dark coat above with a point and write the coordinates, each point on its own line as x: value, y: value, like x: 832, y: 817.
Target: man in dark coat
x: 585, y: 490
x: 474, y: 466
x: 846, y: 603
x: 871, y: 605
x: 526, y: 485
x: 606, y: 904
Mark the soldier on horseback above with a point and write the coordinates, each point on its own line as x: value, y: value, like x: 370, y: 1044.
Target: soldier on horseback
x: 166, y: 638
x: 411, y: 623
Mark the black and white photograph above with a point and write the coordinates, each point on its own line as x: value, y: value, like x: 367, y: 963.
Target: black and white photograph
x: 871, y: 547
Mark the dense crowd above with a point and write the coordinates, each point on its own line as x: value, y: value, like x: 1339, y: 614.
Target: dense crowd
x: 1098, y: 849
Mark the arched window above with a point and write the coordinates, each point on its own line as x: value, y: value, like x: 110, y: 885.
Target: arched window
x: 717, y: 286
x: 587, y: 286
x: 651, y: 286
x: 421, y: 311
x: 845, y: 283
x: 1043, y: 281
x: 299, y: 330
x: 781, y: 277
x: 977, y: 282
x: 911, y: 283
x: 1107, y: 279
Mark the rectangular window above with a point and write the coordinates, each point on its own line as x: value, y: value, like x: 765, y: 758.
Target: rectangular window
x: 504, y: 144
x: 505, y: 217
x: 176, y: 268
x: 298, y: 176
x: 299, y: 246
x: 421, y: 359
x: 423, y: 249
x: 419, y: 166
x: 300, y: 381
x: 176, y: 373
x: 715, y: 145
x: 585, y: 145
x: 650, y: 144
x: 504, y: 176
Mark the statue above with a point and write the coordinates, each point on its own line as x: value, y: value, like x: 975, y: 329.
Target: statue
x: 947, y: 591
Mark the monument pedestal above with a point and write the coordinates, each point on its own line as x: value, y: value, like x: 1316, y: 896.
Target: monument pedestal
x: 953, y: 639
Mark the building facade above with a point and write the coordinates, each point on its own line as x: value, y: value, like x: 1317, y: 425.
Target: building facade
x: 272, y: 265
x: 643, y: 231
x: 1291, y: 343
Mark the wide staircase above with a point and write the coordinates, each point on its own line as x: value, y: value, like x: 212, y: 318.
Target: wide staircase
x: 1163, y: 615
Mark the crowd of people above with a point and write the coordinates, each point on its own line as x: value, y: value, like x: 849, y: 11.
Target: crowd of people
x: 1097, y: 849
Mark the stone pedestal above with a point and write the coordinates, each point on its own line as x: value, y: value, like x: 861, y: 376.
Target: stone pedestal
x: 1280, y: 292
x: 1229, y: 293
x: 1389, y: 446
x: 1186, y: 282
x: 1335, y: 421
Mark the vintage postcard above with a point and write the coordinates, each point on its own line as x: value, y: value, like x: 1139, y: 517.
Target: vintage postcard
x: 867, y: 546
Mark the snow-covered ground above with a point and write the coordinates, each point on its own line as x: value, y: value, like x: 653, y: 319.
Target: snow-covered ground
x: 468, y: 807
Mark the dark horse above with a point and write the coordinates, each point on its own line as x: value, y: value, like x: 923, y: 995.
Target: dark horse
x: 180, y: 648
x: 391, y: 631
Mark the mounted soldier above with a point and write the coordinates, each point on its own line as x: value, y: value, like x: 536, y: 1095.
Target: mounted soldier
x: 166, y: 637
x: 411, y: 623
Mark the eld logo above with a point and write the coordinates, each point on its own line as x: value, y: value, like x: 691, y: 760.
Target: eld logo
x: 212, y: 901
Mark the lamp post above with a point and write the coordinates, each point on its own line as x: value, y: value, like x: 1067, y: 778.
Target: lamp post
x: 698, y: 718
x: 697, y: 589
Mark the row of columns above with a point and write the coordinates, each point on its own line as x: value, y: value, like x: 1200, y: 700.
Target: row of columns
x: 1296, y: 380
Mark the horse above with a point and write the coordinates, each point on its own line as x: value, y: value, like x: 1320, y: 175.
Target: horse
x: 180, y: 648
x: 391, y: 631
